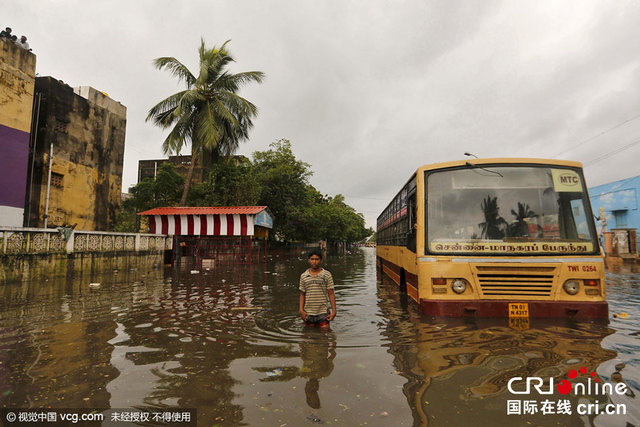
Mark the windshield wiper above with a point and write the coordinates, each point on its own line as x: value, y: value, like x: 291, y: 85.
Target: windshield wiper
x: 472, y: 166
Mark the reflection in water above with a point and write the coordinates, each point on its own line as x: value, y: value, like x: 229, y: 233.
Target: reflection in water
x: 317, y: 351
x: 230, y: 343
x: 460, y: 367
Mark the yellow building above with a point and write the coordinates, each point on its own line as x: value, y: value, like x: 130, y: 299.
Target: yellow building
x: 17, y: 76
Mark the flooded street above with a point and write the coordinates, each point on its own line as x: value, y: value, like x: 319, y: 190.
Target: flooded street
x: 229, y: 342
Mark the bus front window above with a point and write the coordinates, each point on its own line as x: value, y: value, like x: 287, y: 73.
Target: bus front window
x: 508, y: 210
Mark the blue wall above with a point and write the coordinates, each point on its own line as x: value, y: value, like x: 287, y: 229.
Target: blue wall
x: 620, y: 202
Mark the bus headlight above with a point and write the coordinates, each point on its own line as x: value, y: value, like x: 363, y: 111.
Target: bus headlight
x: 459, y: 286
x: 571, y: 287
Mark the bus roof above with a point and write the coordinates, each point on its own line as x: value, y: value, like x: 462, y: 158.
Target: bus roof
x: 507, y: 160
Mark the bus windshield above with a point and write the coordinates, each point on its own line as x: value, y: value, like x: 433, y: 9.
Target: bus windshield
x: 502, y: 209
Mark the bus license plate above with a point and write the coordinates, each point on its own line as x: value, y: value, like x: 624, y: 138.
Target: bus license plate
x: 520, y: 309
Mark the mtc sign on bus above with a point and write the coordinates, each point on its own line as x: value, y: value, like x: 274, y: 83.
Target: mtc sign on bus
x: 565, y: 180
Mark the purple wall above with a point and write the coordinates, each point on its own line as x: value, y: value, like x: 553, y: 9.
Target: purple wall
x: 14, y: 159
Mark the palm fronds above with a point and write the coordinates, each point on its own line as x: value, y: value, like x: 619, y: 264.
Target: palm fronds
x: 209, y: 114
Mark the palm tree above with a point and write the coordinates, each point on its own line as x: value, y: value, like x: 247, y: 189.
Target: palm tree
x: 520, y: 228
x: 208, y: 114
x: 494, y: 226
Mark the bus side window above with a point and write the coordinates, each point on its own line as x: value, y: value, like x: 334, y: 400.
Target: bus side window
x: 413, y: 219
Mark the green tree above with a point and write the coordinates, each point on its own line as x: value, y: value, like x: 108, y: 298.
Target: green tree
x: 284, y: 187
x: 163, y: 190
x: 301, y: 212
x: 340, y: 222
x: 209, y: 114
x: 231, y: 181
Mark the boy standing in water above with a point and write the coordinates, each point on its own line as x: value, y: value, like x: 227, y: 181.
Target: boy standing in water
x: 316, y: 284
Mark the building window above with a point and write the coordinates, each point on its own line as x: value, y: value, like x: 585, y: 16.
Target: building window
x: 60, y: 126
x: 57, y: 180
x: 621, y: 218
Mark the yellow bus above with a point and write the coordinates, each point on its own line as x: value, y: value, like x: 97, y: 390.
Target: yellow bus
x: 495, y: 238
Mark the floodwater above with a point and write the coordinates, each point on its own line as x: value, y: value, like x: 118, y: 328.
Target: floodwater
x: 229, y: 342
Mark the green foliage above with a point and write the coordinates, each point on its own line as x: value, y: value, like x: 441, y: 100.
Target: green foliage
x: 340, y: 222
x: 285, y: 188
x: 163, y: 190
x: 275, y: 178
x: 232, y: 181
x: 301, y: 212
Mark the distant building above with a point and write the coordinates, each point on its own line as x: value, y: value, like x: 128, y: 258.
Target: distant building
x: 85, y: 130
x: 620, y: 202
x: 17, y: 77
x: 181, y: 164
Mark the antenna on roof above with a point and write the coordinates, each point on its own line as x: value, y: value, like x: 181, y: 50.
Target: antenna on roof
x: 470, y: 154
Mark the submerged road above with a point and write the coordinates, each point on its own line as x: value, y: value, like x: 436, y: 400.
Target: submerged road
x: 229, y: 342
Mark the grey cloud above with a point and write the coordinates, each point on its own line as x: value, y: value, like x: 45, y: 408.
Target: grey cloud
x: 368, y: 91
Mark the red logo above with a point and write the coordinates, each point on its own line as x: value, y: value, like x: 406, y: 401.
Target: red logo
x: 564, y: 386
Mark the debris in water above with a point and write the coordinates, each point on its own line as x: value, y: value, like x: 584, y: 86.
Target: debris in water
x: 195, y: 272
x: 315, y: 419
x: 94, y: 285
x: 622, y: 315
x: 274, y: 373
x: 246, y: 308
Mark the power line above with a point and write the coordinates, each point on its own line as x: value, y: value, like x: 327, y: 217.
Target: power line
x: 611, y: 153
x: 596, y: 136
x: 365, y: 198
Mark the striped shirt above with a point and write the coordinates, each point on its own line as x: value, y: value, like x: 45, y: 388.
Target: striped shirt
x: 315, y: 290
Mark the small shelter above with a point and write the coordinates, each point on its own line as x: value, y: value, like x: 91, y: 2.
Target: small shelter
x: 206, y: 235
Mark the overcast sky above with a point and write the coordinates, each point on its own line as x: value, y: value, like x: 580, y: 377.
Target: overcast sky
x: 366, y: 91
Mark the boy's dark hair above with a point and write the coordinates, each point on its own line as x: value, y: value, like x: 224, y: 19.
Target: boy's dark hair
x: 317, y: 253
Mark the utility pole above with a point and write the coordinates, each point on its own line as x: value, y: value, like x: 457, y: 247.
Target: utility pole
x: 46, y: 208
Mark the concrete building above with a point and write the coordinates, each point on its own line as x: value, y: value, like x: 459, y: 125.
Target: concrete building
x: 619, y: 200
x: 85, y: 131
x: 17, y: 77
x: 181, y: 164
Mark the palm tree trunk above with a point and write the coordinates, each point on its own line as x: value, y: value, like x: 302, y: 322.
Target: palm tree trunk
x: 187, y: 183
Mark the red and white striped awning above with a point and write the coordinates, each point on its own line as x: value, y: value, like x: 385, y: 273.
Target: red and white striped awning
x: 207, y: 221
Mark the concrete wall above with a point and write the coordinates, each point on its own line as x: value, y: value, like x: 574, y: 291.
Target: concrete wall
x: 620, y: 202
x: 34, y: 254
x: 87, y: 130
x: 17, y: 76
x: 91, y: 266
